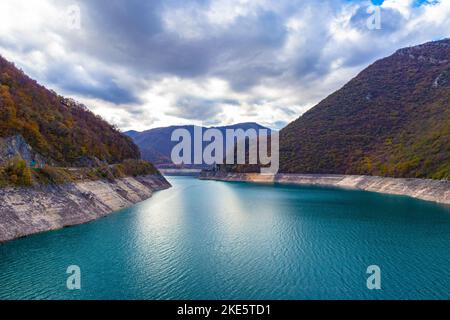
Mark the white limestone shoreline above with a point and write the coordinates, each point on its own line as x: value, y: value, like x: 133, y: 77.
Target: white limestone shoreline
x: 25, y: 211
x: 180, y: 172
x: 424, y: 189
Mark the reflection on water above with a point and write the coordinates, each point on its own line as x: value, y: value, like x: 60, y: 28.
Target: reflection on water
x: 213, y: 240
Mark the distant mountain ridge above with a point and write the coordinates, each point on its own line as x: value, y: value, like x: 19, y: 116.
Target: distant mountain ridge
x: 393, y: 119
x: 156, y: 145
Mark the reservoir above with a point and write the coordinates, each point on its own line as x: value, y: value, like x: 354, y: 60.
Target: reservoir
x: 219, y: 240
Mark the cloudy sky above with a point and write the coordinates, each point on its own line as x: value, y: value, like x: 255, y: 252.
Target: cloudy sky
x: 143, y: 64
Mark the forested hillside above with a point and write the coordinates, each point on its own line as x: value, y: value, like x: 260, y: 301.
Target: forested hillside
x: 393, y: 119
x: 60, y: 129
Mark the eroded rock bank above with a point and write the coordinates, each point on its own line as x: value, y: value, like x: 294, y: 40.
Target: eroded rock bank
x: 25, y: 211
x: 425, y: 189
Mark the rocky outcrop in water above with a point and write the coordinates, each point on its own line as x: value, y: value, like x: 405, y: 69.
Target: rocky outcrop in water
x: 425, y: 189
x: 24, y: 211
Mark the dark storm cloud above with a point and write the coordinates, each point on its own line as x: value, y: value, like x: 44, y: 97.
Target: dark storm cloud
x: 286, y: 53
x: 131, y: 33
x: 193, y: 108
x: 97, y: 84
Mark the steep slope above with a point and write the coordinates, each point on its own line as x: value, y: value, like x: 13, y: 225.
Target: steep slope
x: 393, y: 119
x: 61, y: 130
x: 155, y: 144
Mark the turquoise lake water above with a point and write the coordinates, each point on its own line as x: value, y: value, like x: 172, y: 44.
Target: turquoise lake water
x: 216, y: 240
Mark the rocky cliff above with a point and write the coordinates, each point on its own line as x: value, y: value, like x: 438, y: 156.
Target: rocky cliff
x: 17, y: 146
x: 24, y: 211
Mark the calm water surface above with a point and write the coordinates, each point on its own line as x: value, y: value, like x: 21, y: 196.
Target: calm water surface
x: 215, y: 240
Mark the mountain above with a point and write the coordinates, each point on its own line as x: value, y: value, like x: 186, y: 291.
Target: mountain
x: 392, y: 119
x: 156, y: 145
x: 60, y: 130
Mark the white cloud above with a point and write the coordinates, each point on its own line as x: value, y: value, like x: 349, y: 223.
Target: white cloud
x: 240, y: 60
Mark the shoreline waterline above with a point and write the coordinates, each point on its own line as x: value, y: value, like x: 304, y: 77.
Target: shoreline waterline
x: 423, y: 189
x: 27, y: 211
